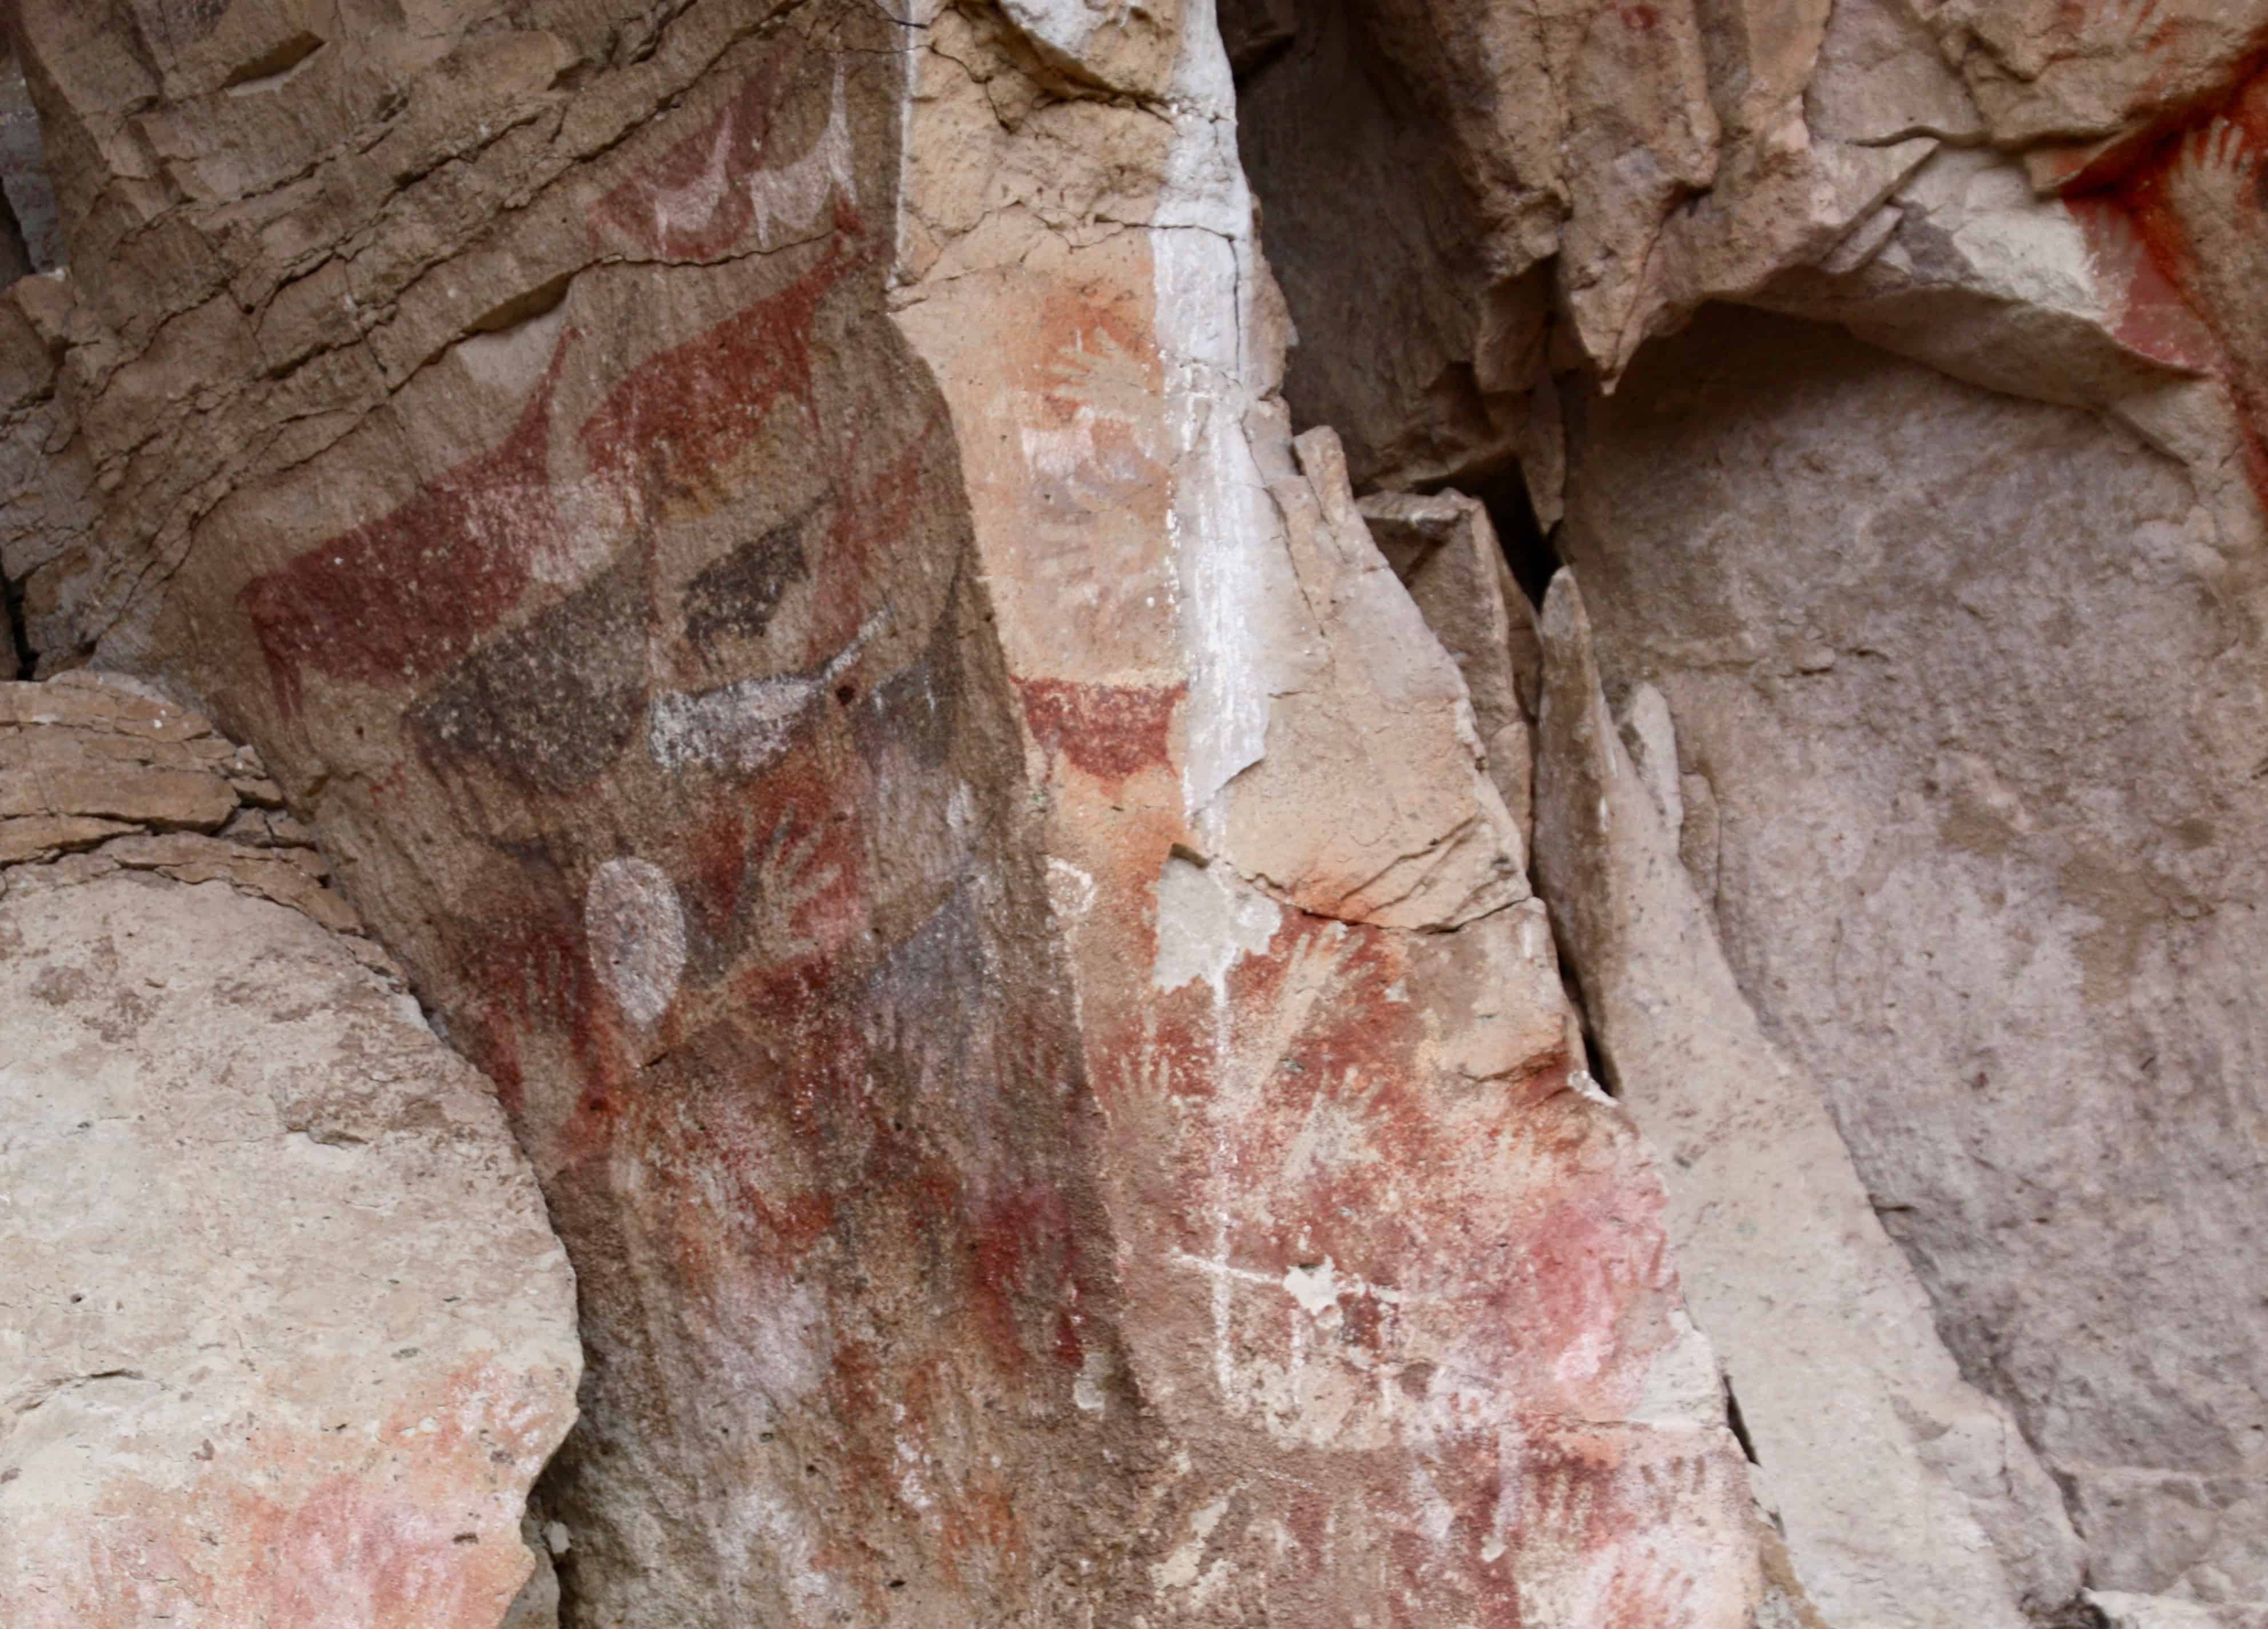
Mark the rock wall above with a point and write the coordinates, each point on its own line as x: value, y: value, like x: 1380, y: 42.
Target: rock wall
x: 1949, y: 700
x: 979, y: 773
x: 764, y: 556
x: 284, y: 1336
x: 1970, y: 690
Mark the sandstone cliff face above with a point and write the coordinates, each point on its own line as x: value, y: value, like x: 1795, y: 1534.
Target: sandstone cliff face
x: 1006, y: 835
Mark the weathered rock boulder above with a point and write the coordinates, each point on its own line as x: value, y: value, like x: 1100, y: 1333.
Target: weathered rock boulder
x: 284, y: 1335
x: 1970, y: 709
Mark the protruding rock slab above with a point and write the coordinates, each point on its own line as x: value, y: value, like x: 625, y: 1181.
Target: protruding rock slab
x: 284, y: 1334
x: 1444, y: 548
x: 1903, y: 1496
x: 1397, y: 1311
x: 1974, y: 687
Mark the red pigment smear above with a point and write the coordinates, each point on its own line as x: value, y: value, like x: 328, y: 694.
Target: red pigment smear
x: 718, y: 852
x: 536, y: 980
x: 1110, y: 731
x: 872, y: 516
x: 1019, y: 1239
x: 664, y: 437
x: 869, y: 520
x: 2164, y: 315
x: 346, y: 1536
x: 409, y: 592
x: 495, y: 1051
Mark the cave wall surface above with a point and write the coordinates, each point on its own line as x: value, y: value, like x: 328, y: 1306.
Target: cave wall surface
x: 768, y: 553
x: 908, y: 623
x: 1976, y: 706
x: 1927, y: 789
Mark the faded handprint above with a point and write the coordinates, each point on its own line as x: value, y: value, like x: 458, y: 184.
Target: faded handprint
x: 1560, y: 1501
x: 1315, y: 968
x: 792, y: 875
x: 1675, y: 1481
x: 1648, y: 1591
x: 2215, y: 170
x: 2104, y: 28
x: 2211, y: 190
x: 1083, y: 431
x: 1098, y: 367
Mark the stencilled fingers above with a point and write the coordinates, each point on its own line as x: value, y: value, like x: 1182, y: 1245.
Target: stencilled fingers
x: 2216, y: 168
x: 2115, y: 25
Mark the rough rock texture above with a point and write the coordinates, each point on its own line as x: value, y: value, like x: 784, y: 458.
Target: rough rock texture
x: 773, y: 563
x: 985, y: 843
x: 284, y: 1335
x: 1445, y: 551
x: 1954, y: 698
x: 106, y: 773
x: 28, y: 236
x: 1395, y: 1297
x: 1553, y: 181
x: 1902, y: 1495
x: 1973, y: 690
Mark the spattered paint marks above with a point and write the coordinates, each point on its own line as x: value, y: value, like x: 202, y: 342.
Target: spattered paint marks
x: 778, y: 880
x: 830, y: 1131
x: 550, y: 705
x: 401, y: 598
x: 1086, y: 426
x: 1021, y: 1241
x: 635, y: 930
x: 851, y: 1099
x: 741, y: 727
x: 697, y: 778
x: 1077, y: 442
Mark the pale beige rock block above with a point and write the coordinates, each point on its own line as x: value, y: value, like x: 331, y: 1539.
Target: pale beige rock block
x: 1975, y: 686
x: 284, y: 1335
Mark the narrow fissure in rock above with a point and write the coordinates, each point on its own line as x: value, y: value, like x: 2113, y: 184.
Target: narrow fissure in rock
x: 1740, y: 1426
x: 31, y: 239
x: 1528, y: 546
x: 21, y: 658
